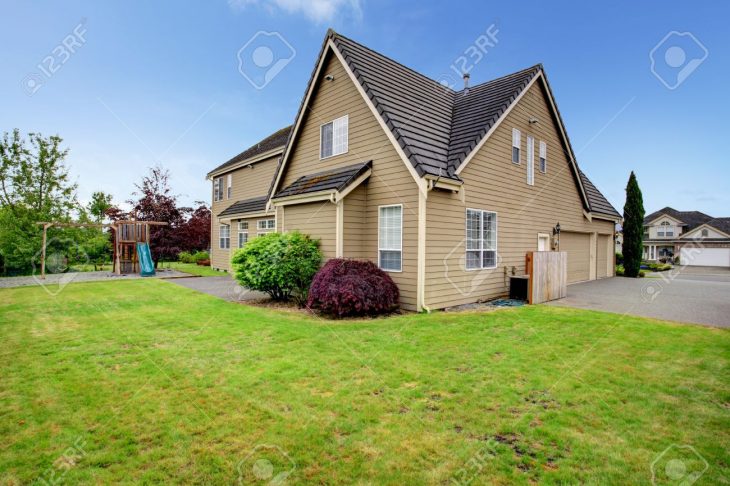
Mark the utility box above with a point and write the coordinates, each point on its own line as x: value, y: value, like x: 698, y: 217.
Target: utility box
x: 518, y: 285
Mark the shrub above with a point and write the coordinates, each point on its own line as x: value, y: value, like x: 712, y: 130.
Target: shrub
x: 619, y: 270
x: 187, y: 257
x: 352, y: 288
x: 619, y: 258
x: 280, y: 264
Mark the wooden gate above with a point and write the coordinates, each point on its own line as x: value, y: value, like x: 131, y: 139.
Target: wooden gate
x: 548, y: 272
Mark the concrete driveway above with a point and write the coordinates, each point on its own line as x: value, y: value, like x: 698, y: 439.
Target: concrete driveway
x: 224, y: 287
x: 684, y: 296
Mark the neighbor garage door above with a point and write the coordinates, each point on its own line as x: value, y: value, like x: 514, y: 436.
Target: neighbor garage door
x: 577, y: 245
x: 602, y: 256
x: 705, y: 257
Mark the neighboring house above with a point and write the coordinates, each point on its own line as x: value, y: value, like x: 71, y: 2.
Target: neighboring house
x: 446, y: 190
x: 240, y: 195
x: 619, y: 240
x: 695, y: 237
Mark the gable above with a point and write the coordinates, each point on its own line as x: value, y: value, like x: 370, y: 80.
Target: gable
x: 712, y: 232
x: 662, y: 218
x: 493, y: 160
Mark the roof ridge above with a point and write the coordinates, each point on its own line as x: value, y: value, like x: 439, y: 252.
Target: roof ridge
x: 537, y: 66
x: 333, y: 33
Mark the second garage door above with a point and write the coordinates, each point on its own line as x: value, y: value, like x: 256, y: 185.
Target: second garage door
x: 577, y: 245
x: 705, y: 257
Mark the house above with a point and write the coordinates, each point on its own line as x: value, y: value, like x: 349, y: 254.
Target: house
x: 447, y: 190
x: 695, y: 237
x: 240, y: 196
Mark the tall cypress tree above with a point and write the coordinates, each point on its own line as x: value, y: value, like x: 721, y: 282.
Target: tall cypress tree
x: 633, y: 228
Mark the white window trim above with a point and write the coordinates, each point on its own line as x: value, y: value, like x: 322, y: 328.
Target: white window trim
x: 530, y: 147
x: 221, y: 238
x: 347, y: 138
x: 543, y: 155
x: 266, y: 228
x: 218, y: 189
x: 401, y: 238
x: 496, y: 238
x: 516, y: 143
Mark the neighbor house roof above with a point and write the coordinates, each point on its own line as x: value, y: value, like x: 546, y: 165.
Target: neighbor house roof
x: 723, y: 224
x: 598, y: 202
x: 329, y: 180
x: 691, y: 219
x: 253, y: 205
x: 275, y: 140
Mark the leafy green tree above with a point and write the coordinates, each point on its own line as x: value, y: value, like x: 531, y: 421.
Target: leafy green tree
x: 280, y: 264
x: 633, y: 228
x: 100, y: 203
x: 34, y: 186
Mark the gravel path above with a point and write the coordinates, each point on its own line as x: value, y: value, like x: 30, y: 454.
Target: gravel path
x: 63, y: 279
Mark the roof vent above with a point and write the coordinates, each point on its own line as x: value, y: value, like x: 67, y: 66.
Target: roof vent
x: 466, y: 83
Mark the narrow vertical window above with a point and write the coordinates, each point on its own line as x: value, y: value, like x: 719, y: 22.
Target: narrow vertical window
x: 516, y: 136
x: 224, y: 234
x: 543, y: 157
x: 390, y: 238
x: 218, y: 189
x: 229, y: 187
x: 530, y: 161
x: 242, y: 233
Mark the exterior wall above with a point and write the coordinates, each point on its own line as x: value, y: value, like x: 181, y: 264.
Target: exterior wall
x: 656, y: 226
x: 390, y: 182
x: 248, y: 182
x: 494, y: 183
x: 315, y: 219
x: 220, y: 258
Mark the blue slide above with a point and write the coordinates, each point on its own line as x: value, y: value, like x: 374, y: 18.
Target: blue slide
x: 146, y: 266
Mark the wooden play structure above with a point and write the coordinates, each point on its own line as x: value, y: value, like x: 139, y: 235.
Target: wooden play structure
x: 126, y: 237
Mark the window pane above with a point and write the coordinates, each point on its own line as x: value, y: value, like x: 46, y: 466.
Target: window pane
x: 489, y: 259
x: 326, y: 136
x: 516, y: 155
x: 473, y: 260
x: 473, y: 230
x: 490, y: 231
x: 390, y: 228
x: 543, y: 164
x: 390, y: 260
x: 339, y: 144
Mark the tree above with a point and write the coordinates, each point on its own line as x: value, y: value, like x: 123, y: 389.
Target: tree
x: 34, y: 186
x: 100, y: 203
x: 156, y: 202
x: 195, y: 232
x: 633, y: 228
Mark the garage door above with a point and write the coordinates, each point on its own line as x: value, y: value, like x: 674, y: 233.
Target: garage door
x: 705, y: 257
x: 577, y: 245
x: 602, y: 256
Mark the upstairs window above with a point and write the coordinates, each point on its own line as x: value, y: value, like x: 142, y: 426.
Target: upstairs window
x: 516, y: 137
x: 705, y: 233
x: 530, y: 161
x: 242, y: 233
x: 333, y: 138
x: 224, y: 236
x: 218, y: 189
x: 481, y: 239
x: 266, y: 224
x: 664, y: 229
x: 229, y: 187
x: 543, y: 157
x: 390, y: 238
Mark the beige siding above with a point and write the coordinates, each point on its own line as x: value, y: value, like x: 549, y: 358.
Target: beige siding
x: 390, y: 182
x: 315, y: 219
x: 222, y: 258
x: 247, y: 183
x: 494, y: 183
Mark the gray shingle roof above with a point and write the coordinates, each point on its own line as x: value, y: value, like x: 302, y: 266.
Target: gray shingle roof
x: 691, y: 219
x: 723, y: 224
x: 253, y: 205
x: 275, y: 140
x: 598, y: 202
x: 329, y: 180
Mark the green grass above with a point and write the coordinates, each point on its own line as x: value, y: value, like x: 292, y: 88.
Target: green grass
x: 147, y: 382
x: 193, y: 269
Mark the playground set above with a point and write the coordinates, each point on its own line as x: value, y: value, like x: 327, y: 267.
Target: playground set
x: 131, y: 245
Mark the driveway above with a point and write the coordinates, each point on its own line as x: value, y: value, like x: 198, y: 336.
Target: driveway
x: 224, y: 287
x: 693, y: 296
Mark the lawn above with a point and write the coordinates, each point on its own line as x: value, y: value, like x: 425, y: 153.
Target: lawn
x: 145, y: 381
x: 193, y: 269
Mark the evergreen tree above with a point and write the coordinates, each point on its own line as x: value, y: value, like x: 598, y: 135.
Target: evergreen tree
x: 633, y: 228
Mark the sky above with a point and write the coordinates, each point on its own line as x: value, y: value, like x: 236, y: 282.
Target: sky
x: 128, y: 85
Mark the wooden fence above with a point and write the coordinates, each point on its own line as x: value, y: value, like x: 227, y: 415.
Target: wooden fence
x: 548, y: 271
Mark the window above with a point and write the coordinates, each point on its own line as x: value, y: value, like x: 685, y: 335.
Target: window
x: 333, y: 138
x: 266, y: 224
x: 516, y: 146
x: 218, y: 189
x: 543, y: 157
x: 224, y: 236
x: 481, y: 239
x: 705, y: 233
x: 229, y: 186
x: 242, y: 233
x: 530, y: 161
x: 390, y: 238
x: 664, y: 229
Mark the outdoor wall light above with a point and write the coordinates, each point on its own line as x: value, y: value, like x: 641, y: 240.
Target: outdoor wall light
x: 556, y: 230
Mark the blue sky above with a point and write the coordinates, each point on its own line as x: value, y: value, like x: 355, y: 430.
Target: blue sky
x: 158, y: 82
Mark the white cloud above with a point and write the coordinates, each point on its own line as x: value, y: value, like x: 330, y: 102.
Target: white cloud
x: 318, y: 11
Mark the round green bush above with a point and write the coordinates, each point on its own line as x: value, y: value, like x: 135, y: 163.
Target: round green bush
x: 280, y: 264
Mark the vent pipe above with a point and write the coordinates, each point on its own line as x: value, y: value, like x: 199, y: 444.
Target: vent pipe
x: 466, y: 83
